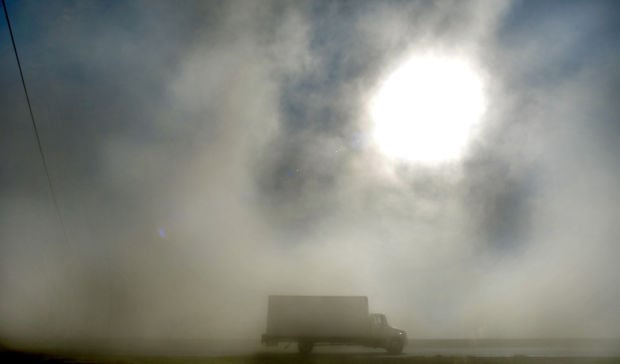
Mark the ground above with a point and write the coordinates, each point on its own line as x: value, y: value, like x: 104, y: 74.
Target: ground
x: 320, y: 358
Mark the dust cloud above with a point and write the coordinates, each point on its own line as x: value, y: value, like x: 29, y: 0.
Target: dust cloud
x: 208, y: 154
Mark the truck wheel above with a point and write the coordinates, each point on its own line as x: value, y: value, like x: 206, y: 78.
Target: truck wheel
x: 395, y: 346
x: 305, y: 347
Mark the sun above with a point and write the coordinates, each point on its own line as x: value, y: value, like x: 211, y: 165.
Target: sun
x: 427, y: 109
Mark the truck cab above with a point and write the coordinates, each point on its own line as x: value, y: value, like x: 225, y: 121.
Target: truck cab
x: 390, y: 338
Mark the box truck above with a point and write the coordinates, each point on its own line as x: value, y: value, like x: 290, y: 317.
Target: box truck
x: 311, y: 320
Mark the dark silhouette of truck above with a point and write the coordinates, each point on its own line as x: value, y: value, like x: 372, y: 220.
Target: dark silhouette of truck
x: 310, y: 320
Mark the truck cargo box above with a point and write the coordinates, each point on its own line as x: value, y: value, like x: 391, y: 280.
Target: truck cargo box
x: 318, y: 316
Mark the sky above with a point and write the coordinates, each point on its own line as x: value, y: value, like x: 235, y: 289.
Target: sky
x: 207, y: 154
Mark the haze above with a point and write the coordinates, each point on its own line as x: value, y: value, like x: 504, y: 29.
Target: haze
x: 208, y: 154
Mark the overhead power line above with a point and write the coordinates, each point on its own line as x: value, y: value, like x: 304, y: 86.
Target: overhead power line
x: 34, y: 124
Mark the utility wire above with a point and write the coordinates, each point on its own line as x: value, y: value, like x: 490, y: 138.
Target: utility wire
x: 34, y: 124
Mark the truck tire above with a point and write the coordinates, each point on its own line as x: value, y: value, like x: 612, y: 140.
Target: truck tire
x: 395, y: 346
x: 305, y: 347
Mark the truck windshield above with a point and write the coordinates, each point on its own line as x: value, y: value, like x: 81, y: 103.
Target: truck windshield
x: 379, y: 320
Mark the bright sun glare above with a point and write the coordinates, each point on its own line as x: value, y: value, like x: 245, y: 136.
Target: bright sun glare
x: 425, y: 111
